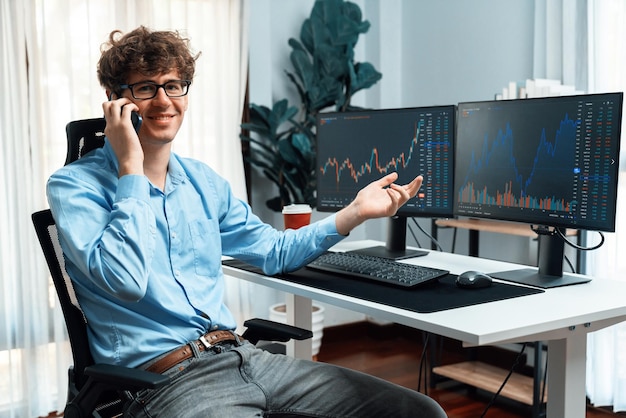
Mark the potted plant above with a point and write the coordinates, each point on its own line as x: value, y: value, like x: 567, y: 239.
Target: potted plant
x: 325, y: 74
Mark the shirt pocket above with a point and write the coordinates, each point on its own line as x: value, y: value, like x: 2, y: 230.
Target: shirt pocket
x: 207, y: 252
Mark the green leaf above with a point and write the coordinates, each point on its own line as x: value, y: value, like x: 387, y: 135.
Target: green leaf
x: 287, y: 151
x: 365, y: 77
x: 303, y: 67
x: 275, y: 204
x: 295, y: 82
x: 302, y: 143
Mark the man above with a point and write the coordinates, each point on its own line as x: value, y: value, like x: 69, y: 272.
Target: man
x: 143, y: 231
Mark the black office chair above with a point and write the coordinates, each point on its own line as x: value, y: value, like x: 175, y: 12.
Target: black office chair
x: 83, y: 136
x: 100, y: 390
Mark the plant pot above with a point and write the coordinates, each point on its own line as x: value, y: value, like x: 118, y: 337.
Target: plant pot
x: 278, y: 313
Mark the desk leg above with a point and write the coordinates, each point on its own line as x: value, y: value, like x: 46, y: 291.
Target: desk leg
x: 566, y: 377
x: 473, y: 242
x: 434, y: 232
x: 299, y: 313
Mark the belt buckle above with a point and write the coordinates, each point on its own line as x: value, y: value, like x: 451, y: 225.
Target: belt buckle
x: 205, y: 342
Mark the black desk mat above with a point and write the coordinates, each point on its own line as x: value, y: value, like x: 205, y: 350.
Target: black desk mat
x: 429, y: 298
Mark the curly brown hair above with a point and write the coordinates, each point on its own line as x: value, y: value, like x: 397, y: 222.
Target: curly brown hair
x: 146, y: 52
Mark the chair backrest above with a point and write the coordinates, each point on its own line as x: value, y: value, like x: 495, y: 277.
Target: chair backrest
x: 74, y: 319
x: 83, y: 136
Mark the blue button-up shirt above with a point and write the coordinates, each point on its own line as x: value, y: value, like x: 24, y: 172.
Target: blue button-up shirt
x: 146, y: 264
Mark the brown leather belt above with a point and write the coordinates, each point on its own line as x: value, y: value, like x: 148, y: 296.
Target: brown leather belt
x: 184, y: 352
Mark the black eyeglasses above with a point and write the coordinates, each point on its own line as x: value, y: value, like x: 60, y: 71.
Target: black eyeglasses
x: 147, y: 89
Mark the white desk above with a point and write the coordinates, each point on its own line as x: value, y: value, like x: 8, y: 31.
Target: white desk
x: 561, y: 316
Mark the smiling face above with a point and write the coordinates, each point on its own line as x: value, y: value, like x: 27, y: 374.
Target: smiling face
x: 162, y: 115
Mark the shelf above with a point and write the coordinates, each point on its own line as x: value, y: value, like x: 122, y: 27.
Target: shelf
x: 490, y: 378
x: 501, y: 227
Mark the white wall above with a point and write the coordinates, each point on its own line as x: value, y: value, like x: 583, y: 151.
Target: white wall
x: 430, y: 53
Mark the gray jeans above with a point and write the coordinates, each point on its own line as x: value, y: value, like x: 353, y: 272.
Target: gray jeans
x: 244, y: 381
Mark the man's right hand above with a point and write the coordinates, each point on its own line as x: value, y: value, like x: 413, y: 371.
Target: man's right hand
x: 121, y: 134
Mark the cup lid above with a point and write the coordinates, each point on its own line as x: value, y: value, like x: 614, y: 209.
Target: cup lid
x: 297, y: 208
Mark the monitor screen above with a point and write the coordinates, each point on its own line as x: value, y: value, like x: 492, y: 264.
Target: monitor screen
x: 546, y: 161
x: 549, y: 162
x: 358, y: 147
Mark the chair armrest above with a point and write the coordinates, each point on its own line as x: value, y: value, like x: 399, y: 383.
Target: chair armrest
x: 126, y: 378
x: 107, y: 377
x: 263, y: 329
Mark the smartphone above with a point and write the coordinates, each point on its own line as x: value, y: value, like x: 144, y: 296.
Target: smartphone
x: 134, y: 117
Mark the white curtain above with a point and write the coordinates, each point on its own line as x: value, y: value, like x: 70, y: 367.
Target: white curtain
x: 560, y: 41
x: 606, y: 358
x: 583, y: 43
x: 49, y: 51
x: 28, y: 321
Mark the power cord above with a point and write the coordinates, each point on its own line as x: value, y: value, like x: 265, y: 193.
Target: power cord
x: 543, y: 230
x: 421, y: 367
x: 539, y: 230
x: 506, y: 379
x: 569, y: 263
x: 419, y: 245
x: 430, y: 237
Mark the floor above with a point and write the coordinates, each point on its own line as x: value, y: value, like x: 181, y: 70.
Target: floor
x: 393, y: 352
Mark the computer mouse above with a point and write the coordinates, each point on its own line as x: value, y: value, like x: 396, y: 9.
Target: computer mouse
x: 473, y: 280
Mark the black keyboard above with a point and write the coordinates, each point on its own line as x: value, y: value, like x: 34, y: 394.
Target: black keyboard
x: 376, y: 268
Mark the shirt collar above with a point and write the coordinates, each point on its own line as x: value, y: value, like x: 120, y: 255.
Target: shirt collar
x: 175, y: 172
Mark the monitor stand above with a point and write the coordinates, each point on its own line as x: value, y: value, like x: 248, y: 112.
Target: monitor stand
x: 395, y: 247
x: 550, y: 273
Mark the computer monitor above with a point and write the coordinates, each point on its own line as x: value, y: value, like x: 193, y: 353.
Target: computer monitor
x: 358, y: 147
x: 549, y: 162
